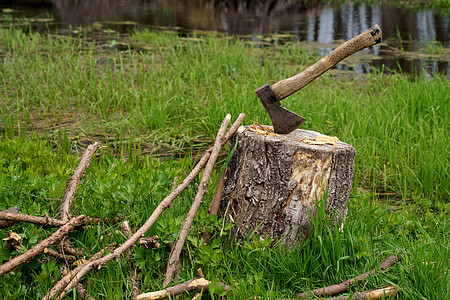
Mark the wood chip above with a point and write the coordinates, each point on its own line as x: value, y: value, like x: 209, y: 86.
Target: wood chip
x: 322, y: 140
x: 13, y: 240
x: 261, y: 129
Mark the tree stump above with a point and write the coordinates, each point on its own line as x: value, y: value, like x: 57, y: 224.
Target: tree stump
x: 274, y: 182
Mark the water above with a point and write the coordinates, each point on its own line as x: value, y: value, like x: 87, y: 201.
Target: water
x: 407, y: 33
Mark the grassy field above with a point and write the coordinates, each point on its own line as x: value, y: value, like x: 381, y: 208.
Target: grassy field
x: 165, y: 97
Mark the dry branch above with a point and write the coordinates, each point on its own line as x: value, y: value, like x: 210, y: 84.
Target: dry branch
x: 53, y: 238
x: 134, y: 278
x: 215, y: 203
x: 174, y: 260
x: 126, y: 229
x: 58, y: 255
x: 46, y: 221
x: 134, y: 272
x: 66, y: 248
x: 343, y: 286
x: 13, y: 240
x: 150, y: 221
x: 368, y: 295
x: 5, y: 223
x: 81, y: 292
x: 9, y: 217
x: 197, y: 284
x: 69, y: 195
x: 59, y: 286
x: 71, y: 187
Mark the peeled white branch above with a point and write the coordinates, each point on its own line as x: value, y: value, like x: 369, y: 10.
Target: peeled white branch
x: 197, y: 284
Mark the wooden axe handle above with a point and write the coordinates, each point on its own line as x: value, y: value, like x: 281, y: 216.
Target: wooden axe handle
x: 287, y: 87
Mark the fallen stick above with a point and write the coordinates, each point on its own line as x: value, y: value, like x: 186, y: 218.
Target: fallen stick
x: 59, y: 286
x: 368, y: 295
x: 126, y: 229
x: 81, y: 292
x: 197, y: 284
x: 46, y: 221
x: 66, y: 248
x: 5, y: 223
x: 174, y: 260
x: 134, y: 271
x: 71, y: 187
x: 165, y: 203
x: 6, y: 217
x: 58, y: 255
x: 343, y: 286
x: 53, y: 238
x: 69, y: 195
x: 135, y: 275
x: 215, y: 204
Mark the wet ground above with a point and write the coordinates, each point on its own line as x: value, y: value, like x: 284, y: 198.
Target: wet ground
x: 415, y: 38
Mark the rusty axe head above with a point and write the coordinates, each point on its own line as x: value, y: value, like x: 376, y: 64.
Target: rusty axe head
x: 283, y: 120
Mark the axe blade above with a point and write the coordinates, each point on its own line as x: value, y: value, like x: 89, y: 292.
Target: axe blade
x: 283, y: 120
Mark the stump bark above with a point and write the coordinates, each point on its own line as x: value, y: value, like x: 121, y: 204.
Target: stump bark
x: 274, y: 183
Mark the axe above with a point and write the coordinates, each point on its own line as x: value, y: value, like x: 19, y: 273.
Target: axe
x: 285, y: 121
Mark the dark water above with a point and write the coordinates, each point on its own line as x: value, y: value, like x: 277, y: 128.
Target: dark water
x: 408, y: 33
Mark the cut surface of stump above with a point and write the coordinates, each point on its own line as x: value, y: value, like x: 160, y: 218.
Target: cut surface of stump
x: 275, y: 182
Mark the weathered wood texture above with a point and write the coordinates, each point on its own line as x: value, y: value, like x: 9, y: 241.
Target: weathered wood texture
x: 274, y: 181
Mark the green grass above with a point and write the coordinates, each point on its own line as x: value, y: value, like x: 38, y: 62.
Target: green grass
x: 177, y: 91
x: 31, y: 170
x: 168, y: 95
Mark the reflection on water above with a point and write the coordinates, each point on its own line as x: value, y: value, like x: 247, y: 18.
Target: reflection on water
x: 322, y: 23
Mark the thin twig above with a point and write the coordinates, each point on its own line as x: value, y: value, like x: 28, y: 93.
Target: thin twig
x: 53, y: 238
x: 58, y: 255
x: 81, y: 292
x: 59, y: 286
x: 134, y: 271
x: 11, y: 210
x: 134, y: 278
x: 368, y: 295
x: 343, y: 286
x: 66, y: 248
x: 71, y: 187
x: 215, y: 204
x: 174, y: 260
x: 126, y: 229
x: 46, y: 221
x: 69, y: 194
x: 39, y: 197
x: 197, y: 284
x: 154, y: 216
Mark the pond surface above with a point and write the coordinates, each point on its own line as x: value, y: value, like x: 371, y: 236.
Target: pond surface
x: 414, y: 39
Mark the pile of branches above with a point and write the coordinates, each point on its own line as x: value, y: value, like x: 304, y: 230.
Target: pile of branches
x: 67, y: 223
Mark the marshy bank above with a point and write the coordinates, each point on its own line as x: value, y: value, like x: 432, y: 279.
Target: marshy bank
x: 166, y: 94
x: 416, y: 33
